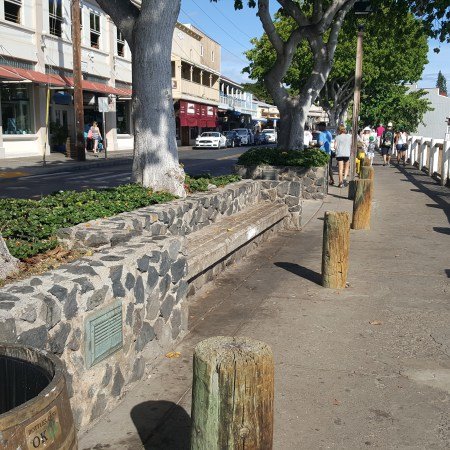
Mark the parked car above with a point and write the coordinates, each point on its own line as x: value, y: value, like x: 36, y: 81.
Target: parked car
x: 261, y: 139
x: 246, y: 136
x: 211, y: 139
x: 233, y: 139
x: 271, y: 135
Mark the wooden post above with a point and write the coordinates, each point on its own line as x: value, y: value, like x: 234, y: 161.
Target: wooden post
x: 232, y: 394
x: 336, y: 242
x: 351, y: 189
x: 362, y: 205
x: 367, y: 172
x: 366, y: 162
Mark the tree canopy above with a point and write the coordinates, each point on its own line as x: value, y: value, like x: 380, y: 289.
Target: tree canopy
x: 397, y: 104
x: 441, y: 83
x: 385, y: 62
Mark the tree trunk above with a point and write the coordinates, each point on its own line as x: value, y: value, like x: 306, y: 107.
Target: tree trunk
x: 292, y: 124
x: 8, y: 264
x: 333, y: 117
x: 155, y: 162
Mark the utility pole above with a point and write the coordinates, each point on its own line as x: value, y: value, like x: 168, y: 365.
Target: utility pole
x: 356, y: 100
x: 79, y: 153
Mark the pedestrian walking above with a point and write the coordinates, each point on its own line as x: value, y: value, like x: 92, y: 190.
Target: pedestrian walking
x: 380, y: 130
x: 371, y: 149
x: 96, y: 136
x: 387, y: 145
x: 324, y: 141
x: 401, y: 144
x: 342, y: 146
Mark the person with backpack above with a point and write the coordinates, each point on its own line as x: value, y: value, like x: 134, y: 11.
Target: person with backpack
x: 387, y: 145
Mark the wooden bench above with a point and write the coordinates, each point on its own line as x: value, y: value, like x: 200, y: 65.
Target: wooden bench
x: 216, y: 242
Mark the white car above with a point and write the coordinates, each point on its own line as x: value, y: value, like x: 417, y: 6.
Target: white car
x: 246, y: 136
x: 271, y: 135
x: 211, y: 139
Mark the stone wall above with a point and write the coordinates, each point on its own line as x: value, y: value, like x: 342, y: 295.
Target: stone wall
x: 313, y: 181
x: 145, y: 278
x: 139, y: 265
x: 179, y: 217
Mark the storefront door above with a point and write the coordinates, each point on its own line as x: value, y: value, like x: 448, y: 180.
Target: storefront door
x: 185, y: 138
x: 63, y: 115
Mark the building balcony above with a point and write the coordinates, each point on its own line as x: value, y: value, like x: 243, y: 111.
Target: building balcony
x: 190, y: 90
x: 229, y: 102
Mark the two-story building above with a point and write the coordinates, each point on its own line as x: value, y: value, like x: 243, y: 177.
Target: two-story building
x: 195, y: 82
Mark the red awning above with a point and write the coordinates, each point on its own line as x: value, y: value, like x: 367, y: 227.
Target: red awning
x: 16, y: 74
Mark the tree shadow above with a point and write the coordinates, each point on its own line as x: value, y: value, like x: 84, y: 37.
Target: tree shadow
x: 301, y: 271
x: 443, y: 230
x: 162, y: 425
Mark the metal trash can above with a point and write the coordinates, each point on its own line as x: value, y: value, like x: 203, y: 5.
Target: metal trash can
x: 34, y: 404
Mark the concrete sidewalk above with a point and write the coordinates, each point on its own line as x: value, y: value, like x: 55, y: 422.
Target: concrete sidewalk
x: 340, y: 381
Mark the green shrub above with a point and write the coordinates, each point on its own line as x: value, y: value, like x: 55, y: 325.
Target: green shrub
x: 311, y: 157
x: 201, y: 182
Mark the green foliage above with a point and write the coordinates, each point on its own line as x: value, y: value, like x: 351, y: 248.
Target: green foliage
x: 397, y: 104
x: 29, y: 226
x: 201, y: 182
x: 311, y: 157
x: 441, y: 83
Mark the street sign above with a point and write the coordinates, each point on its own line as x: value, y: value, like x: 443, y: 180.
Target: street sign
x: 103, y: 104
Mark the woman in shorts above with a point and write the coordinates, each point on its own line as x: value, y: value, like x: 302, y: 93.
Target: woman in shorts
x: 401, y: 145
x: 342, y: 147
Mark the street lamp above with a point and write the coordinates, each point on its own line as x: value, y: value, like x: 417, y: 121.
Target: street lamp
x: 361, y: 8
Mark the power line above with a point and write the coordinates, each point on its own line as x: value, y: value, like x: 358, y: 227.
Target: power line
x: 229, y: 51
x: 229, y: 20
x: 213, y: 21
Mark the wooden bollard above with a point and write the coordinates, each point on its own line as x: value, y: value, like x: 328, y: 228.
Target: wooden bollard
x: 351, y: 189
x: 336, y: 243
x: 232, y: 394
x: 367, y: 173
x: 366, y: 162
x: 362, y: 205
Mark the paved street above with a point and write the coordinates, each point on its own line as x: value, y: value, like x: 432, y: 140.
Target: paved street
x: 29, y: 182
x: 363, y: 367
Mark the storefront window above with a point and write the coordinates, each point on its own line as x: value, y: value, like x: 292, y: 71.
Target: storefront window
x: 16, y: 109
x: 122, y: 117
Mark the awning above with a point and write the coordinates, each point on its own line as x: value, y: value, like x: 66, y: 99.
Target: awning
x: 16, y: 74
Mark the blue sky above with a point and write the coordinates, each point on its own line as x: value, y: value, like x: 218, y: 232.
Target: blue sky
x: 233, y: 30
